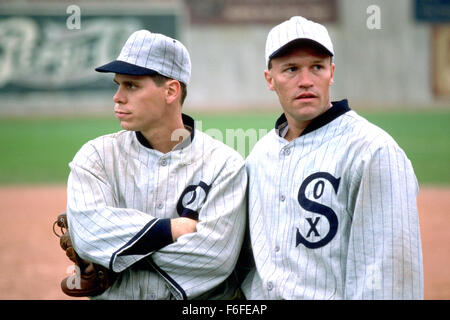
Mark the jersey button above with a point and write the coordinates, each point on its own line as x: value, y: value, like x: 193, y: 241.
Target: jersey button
x: 163, y: 162
x: 160, y: 205
x: 269, y: 286
x: 287, y: 151
x: 277, y: 248
x: 282, y: 198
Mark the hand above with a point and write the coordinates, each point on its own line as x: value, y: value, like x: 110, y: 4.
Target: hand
x: 91, y: 279
x: 182, y: 226
x: 66, y: 244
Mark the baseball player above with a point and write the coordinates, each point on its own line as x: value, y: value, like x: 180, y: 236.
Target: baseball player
x: 332, y: 197
x: 159, y: 205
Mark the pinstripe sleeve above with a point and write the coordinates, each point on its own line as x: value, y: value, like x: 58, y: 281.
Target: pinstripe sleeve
x: 384, y: 255
x: 199, y: 261
x: 102, y: 232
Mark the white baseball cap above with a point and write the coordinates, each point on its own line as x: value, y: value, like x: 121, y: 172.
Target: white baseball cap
x: 296, y: 29
x: 147, y: 53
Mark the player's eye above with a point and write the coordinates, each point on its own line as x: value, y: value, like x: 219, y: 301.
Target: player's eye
x: 317, y: 67
x: 291, y: 69
x: 130, y: 85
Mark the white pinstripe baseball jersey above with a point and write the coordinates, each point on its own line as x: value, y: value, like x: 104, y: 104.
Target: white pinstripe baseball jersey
x: 122, y: 195
x: 333, y: 213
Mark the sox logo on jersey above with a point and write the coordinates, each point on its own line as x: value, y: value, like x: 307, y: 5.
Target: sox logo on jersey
x: 191, y: 199
x: 316, y: 207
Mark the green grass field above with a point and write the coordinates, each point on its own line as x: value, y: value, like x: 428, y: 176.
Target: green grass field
x: 38, y: 150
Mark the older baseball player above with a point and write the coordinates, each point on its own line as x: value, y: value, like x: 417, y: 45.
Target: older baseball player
x: 332, y: 197
x: 159, y: 205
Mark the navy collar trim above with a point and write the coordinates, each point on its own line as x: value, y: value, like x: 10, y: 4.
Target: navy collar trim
x: 187, y: 121
x: 337, y: 109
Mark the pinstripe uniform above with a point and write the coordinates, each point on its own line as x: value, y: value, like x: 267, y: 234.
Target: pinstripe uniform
x: 333, y: 213
x: 122, y: 195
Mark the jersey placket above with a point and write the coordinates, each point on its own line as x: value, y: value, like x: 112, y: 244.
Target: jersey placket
x: 282, y: 200
x: 162, y: 181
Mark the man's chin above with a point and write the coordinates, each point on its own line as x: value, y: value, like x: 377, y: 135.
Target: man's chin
x: 127, y: 126
x: 306, y: 113
x: 308, y: 110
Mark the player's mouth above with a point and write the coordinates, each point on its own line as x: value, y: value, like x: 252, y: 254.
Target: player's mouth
x: 306, y: 96
x: 121, y: 114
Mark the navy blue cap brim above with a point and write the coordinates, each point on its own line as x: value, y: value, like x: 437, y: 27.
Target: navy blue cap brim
x: 298, y: 43
x: 122, y: 67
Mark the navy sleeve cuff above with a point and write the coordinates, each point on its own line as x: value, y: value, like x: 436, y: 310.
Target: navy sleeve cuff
x: 155, y: 235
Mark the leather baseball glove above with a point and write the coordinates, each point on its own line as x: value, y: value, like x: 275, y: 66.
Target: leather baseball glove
x: 90, y: 279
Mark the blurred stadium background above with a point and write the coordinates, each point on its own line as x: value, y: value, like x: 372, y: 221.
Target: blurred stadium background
x: 392, y: 63
x: 389, y: 54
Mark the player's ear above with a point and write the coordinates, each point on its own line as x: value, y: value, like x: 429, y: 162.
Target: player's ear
x: 173, y: 91
x: 269, y: 79
x: 332, y: 74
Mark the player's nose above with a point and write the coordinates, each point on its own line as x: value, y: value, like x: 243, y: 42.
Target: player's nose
x: 305, y: 79
x: 119, y: 97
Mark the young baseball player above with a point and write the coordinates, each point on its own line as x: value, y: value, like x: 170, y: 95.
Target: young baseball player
x: 332, y: 197
x: 159, y: 207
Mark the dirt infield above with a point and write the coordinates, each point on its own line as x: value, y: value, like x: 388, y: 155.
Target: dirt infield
x: 32, y: 263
